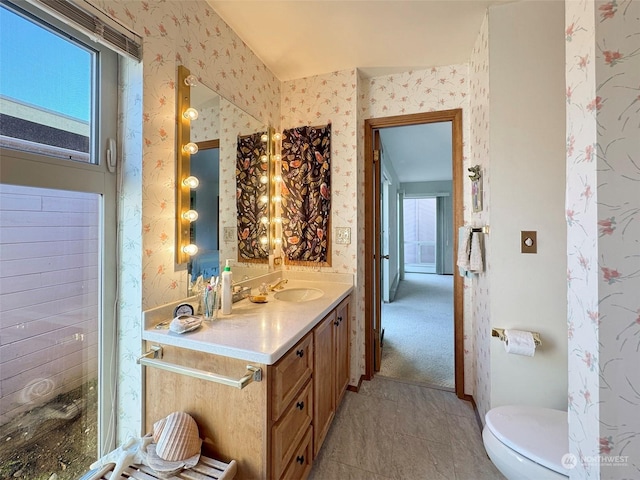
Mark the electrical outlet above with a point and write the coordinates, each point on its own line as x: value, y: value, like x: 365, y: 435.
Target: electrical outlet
x: 229, y: 234
x: 343, y: 235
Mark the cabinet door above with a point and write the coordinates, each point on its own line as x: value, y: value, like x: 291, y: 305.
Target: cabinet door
x: 342, y: 354
x: 324, y: 406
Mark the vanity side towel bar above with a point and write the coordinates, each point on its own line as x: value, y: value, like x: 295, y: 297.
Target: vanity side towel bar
x: 254, y: 374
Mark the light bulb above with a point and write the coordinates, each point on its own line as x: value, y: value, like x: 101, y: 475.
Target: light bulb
x: 277, y: 198
x: 264, y: 159
x: 191, y: 81
x: 277, y: 136
x: 277, y: 241
x: 277, y: 178
x: 264, y: 179
x: 277, y: 157
x: 190, y: 114
x: 190, y: 249
x: 264, y: 199
x: 264, y: 220
x: 277, y: 220
x: 191, y: 182
x: 264, y: 240
x: 190, y: 215
x: 190, y: 148
x: 264, y: 137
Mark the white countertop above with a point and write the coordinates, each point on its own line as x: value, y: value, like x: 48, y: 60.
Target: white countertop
x: 256, y: 332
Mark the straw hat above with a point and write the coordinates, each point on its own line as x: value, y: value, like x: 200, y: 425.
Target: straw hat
x: 176, y: 444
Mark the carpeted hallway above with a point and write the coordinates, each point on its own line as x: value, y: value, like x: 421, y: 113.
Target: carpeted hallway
x: 418, y: 331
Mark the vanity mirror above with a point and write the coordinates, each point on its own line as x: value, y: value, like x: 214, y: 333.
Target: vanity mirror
x: 210, y: 138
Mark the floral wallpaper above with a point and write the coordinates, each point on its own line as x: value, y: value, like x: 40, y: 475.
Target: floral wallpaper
x: 174, y: 32
x: 345, y: 99
x: 438, y: 88
x: 325, y: 99
x: 478, y: 288
x: 602, y: 208
x: 234, y: 122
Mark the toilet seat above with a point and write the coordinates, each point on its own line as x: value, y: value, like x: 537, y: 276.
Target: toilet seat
x: 539, y: 434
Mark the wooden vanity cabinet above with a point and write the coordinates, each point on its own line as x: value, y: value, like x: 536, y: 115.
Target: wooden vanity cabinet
x: 291, y: 408
x: 269, y: 427
x: 330, y: 369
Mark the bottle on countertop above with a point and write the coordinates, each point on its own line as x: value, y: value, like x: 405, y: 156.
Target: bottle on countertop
x: 227, y: 289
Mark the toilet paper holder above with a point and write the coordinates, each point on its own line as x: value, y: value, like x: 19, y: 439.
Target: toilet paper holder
x: 499, y: 332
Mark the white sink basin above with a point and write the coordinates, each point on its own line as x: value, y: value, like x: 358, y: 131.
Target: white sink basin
x: 298, y: 294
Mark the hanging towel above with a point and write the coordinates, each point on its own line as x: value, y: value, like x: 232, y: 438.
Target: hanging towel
x: 464, y: 247
x: 475, y: 257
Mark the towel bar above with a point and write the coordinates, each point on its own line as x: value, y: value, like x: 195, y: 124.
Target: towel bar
x: 254, y: 374
x: 499, y: 332
x: 484, y: 229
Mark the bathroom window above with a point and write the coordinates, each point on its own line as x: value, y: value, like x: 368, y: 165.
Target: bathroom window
x: 46, y: 90
x: 57, y: 247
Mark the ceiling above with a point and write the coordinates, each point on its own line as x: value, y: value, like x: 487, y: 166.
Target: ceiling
x: 301, y: 38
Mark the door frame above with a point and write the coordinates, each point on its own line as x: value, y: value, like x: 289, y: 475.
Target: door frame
x: 370, y: 125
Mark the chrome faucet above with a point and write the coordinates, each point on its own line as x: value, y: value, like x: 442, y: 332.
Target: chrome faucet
x: 278, y: 285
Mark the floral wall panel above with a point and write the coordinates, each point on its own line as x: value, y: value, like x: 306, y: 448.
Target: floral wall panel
x: 188, y: 33
x: 603, y: 74
x: 129, y: 379
x: 476, y: 290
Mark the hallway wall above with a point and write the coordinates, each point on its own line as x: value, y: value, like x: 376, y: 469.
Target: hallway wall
x: 527, y: 177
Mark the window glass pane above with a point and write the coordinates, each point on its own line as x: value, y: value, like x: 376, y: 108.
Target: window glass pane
x: 45, y: 90
x: 419, y: 233
x: 49, y: 324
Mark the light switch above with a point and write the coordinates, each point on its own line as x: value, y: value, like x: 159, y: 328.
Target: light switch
x: 529, y: 241
x: 229, y: 234
x: 343, y: 235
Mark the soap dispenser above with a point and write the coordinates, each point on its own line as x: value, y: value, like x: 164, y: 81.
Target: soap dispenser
x: 227, y: 287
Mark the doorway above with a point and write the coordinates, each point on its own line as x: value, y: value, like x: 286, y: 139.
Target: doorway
x: 373, y: 239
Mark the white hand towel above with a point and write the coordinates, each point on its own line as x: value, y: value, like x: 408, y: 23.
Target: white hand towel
x: 475, y: 258
x: 464, y: 247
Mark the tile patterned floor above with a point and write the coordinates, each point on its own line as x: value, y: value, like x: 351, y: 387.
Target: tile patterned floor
x: 394, y: 430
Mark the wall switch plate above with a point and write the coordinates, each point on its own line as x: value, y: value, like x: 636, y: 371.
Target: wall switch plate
x: 229, y: 234
x: 529, y: 241
x: 343, y: 235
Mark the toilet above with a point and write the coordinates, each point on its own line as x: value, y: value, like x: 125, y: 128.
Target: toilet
x: 527, y: 443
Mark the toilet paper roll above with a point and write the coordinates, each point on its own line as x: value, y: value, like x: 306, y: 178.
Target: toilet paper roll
x: 519, y: 342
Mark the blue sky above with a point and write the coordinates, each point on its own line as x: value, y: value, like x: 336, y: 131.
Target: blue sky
x: 40, y: 68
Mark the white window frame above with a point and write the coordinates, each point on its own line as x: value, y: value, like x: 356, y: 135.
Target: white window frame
x: 29, y: 169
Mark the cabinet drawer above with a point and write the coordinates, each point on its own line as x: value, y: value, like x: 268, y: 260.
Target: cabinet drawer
x: 288, y: 375
x: 290, y: 429
x: 300, y: 464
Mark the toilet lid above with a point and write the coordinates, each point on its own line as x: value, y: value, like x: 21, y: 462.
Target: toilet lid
x: 539, y: 434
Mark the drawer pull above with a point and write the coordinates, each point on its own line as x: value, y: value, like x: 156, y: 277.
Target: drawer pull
x: 300, y: 405
x: 339, y: 319
x: 300, y: 353
x: 300, y: 459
